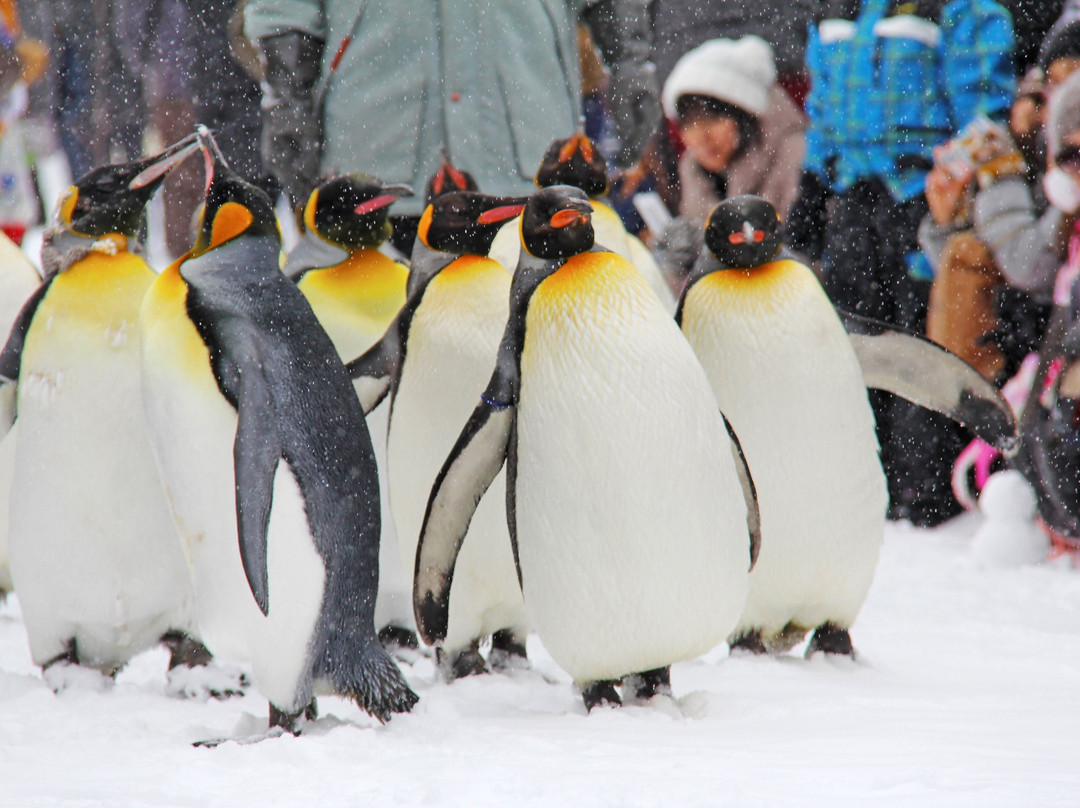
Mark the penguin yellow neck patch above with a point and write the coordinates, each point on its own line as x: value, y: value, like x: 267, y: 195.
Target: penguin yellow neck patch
x: 309, y: 212
x: 425, y: 225
x: 67, y: 207
x: 230, y: 221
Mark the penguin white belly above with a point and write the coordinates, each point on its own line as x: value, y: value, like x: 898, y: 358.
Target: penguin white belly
x: 93, y: 551
x: 353, y: 328
x: 631, y: 524
x: 453, y: 339
x: 280, y: 642
x: 7, y: 477
x: 787, y: 378
x: 192, y: 430
x: 18, y: 280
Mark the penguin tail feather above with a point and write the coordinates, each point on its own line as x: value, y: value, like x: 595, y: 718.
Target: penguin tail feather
x: 377, y: 685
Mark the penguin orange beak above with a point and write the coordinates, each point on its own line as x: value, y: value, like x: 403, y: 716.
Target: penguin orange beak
x: 500, y: 214
x: 390, y: 195
x: 158, y: 167
x: 569, y: 216
x: 579, y: 142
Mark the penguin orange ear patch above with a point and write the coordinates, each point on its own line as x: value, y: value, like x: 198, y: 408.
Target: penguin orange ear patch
x: 67, y: 207
x: 230, y: 221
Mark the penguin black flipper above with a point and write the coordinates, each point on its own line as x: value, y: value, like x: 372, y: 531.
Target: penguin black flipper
x: 11, y: 356
x: 257, y: 450
x: 312, y: 252
x: 476, y: 458
x: 474, y: 461
x: 374, y: 370
x: 753, y: 512
x: 926, y: 374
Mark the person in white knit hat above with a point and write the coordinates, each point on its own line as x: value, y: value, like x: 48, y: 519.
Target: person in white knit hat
x: 742, y: 132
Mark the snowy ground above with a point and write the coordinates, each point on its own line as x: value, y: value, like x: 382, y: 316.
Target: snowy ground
x: 966, y: 694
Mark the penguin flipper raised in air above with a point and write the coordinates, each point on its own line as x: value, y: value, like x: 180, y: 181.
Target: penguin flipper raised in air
x: 926, y: 374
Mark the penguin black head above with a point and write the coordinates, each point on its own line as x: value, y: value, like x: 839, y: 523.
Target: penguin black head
x: 232, y: 206
x: 112, y: 199
x: 743, y: 232
x: 466, y: 221
x: 352, y: 210
x: 447, y: 180
x: 574, y: 161
x: 557, y: 223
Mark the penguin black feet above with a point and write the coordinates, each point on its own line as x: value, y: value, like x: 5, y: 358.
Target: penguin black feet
x: 65, y: 670
x: 394, y: 638
x: 507, y: 651
x: 185, y: 650
x: 292, y: 723
x: 600, y: 694
x: 830, y: 639
x: 749, y: 643
x: 643, y: 686
x: 467, y: 662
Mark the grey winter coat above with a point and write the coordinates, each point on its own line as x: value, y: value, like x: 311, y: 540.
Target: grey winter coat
x: 493, y: 82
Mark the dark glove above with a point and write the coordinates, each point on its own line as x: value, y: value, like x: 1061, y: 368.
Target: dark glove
x: 804, y: 230
x: 292, y: 127
x: 623, y: 32
x: 676, y: 249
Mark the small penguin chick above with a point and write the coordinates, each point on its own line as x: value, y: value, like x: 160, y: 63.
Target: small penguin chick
x: 466, y: 221
x: 743, y: 232
x: 352, y: 210
x: 574, y: 161
x: 448, y: 179
x: 557, y: 223
x: 113, y: 198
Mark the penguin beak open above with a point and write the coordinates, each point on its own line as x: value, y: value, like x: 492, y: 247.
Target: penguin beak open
x: 212, y: 155
x: 158, y: 167
x: 569, y: 216
x: 391, y: 193
x: 579, y: 142
x: 503, y: 213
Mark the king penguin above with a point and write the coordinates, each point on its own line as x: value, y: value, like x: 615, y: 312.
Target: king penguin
x: 627, y: 508
x: 435, y: 360
x: 18, y: 280
x: 94, y: 555
x: 356, y: 290
x: 268, y: 463
x: 794, y: 385
x: 577, y: 162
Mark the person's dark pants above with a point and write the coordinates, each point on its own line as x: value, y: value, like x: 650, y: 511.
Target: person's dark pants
x: 867, y: 245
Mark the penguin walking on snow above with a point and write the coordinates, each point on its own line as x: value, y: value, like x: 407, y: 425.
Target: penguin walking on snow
x: 577, y: 162
x: 356, y: 291
x: 268, y: 463
x: 435, y: 360
x: 626, y: 507
x: 94, y: 555
x: 793, y: 384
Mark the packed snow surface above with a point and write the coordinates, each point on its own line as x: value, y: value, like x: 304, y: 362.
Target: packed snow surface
x: 965, y: 693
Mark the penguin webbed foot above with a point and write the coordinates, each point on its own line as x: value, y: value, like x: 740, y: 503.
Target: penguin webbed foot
x: 600, y: 694
x: 293, y: 723
x: 832, y: 640
x: 458, y: 665
x: 508, y: 651
x: 66, y: 670
x: 394, y: 638
x: 185, y: 650
x: 749, y: 642
x: 641, y: 687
